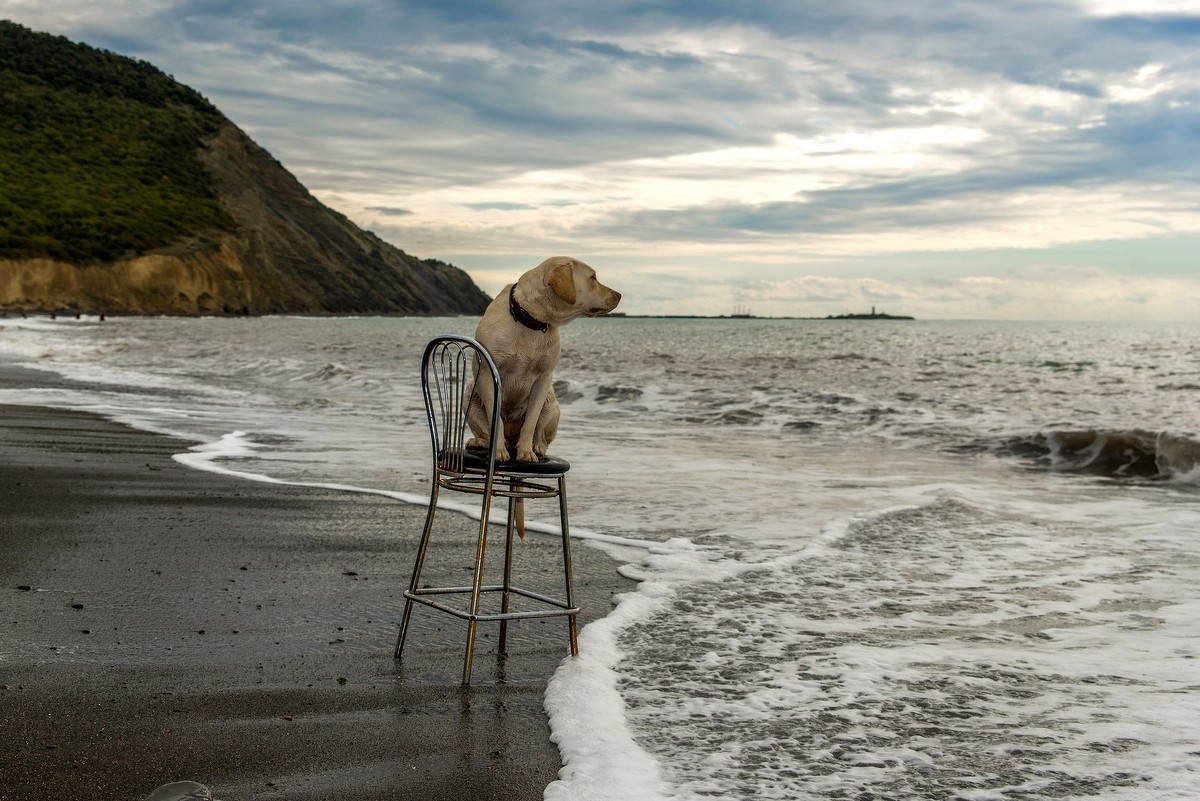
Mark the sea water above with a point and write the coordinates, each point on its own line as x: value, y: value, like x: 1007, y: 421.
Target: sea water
x: 875, y: 559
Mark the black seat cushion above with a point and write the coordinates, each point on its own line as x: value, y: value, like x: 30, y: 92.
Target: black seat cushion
x: 476, y: 459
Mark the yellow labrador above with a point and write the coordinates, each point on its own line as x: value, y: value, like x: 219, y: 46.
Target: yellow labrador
x: 520, y: 330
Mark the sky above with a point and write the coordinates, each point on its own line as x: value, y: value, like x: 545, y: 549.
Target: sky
x: 947, y: 159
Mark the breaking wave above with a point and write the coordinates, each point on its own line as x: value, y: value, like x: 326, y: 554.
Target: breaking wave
x: 1118, y: 454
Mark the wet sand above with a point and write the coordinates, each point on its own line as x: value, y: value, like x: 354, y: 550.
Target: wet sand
x: 160, y: 624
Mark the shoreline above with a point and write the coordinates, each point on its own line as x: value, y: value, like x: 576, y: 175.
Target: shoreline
x: 165, y: 624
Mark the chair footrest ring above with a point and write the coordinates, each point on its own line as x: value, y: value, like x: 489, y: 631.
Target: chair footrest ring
x: 428, y: 595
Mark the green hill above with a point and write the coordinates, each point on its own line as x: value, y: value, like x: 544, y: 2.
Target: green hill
x: 125, y: 191
x: 98, y: 153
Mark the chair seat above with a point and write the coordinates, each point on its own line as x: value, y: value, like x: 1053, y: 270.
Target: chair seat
x: 475, y: 459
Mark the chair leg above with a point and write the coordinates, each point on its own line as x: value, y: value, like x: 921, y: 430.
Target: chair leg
x: 419, y: 566
x: 477, y: 587
x: 573, y: 629
x: 507, y: 586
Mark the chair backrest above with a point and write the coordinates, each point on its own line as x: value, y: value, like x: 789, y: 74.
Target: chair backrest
x: 449, y: 371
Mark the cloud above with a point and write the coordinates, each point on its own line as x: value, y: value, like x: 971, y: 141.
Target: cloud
x: 751, y: 141
x: 1059, y: 293
x: 389, y: 211
x: 499, y: 206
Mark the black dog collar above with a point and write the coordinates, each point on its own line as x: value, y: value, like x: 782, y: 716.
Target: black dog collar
x: 520, y: 315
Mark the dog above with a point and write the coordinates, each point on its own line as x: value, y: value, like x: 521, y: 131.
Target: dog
x: 520, y: 330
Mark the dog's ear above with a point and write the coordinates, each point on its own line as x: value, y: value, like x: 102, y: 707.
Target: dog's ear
x: 562, y: 282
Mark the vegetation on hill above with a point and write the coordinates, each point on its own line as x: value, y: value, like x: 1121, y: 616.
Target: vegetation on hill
x: 124, y: 191
x: 98, y: 153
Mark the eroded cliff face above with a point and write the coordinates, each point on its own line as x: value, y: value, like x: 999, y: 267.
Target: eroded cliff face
x: 289, y: 254
x: 202, y: 283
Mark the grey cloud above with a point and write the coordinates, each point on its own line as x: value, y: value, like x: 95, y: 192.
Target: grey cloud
x: 499, y: 206
x: 1181, y: 29
x: 569, y: 87
x: 878, y: 207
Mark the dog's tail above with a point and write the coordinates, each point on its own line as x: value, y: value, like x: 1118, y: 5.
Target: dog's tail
x: 519, y: 517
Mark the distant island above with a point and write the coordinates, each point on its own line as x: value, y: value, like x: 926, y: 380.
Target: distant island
x: 744, y: 314
x: 874, y: 315
x: 126, y: 192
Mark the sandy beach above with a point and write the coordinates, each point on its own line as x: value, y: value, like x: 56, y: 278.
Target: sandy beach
x: 163, y: 624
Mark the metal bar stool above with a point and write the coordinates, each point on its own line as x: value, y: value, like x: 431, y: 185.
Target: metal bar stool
x: 448, y: 371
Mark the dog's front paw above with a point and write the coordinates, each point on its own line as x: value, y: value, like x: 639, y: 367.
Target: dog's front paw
x: 481, y: 444
x: 527, y: 455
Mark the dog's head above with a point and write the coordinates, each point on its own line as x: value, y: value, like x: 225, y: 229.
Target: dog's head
x: 574, y: 291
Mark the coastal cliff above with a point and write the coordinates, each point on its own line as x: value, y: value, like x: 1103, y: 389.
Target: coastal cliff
x: 125, y: 192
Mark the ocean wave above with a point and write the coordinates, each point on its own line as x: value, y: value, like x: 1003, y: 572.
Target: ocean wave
x: 338, y: 375
x: 329, y: 372
x: 762, y: 406
x: 1118, y: 454
x: 607, y: 393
